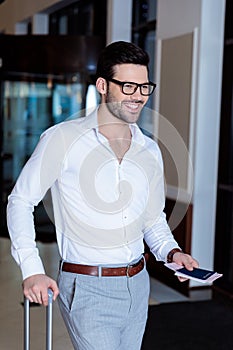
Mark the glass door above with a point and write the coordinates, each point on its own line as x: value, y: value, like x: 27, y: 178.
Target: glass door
x: 28, y: 109
x: 43, y: 81
x: 27, y: 112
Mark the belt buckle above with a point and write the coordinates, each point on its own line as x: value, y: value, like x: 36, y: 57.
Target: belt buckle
x: 128, y: 270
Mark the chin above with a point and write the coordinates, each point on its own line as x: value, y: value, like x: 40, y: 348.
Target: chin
x: 133, y: 118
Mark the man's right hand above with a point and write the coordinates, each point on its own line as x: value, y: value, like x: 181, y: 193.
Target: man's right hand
x: 36, y: 287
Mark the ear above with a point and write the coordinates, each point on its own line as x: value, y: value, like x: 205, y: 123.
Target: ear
x: 101, y: 85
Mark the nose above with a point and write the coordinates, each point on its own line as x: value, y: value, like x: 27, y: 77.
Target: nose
x: 137, y: 95
x: 137, y: 92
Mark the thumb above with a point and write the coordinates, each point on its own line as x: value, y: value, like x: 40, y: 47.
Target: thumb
x: 53, y: 286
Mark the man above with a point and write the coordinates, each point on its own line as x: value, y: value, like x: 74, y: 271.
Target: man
x: 106, y: 180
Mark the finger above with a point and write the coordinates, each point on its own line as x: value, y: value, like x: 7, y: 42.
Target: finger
x: 35, y: 293
x: 36, y: 298
x: 189, y: 262
x: 44, y: 297
x: 195, y: 263
x: 32, y: 298
x: 27, y: 296
x: 189, y: 266
x: 182, y: 279
x: 192, y: 264
x: 53, y: 286
x: 39, y: 298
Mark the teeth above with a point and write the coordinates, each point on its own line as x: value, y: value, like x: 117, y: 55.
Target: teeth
x: 133, y: 105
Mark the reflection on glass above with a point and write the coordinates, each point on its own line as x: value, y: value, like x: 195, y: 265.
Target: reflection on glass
x: 92, y: 99
x: 26, y: 115
x: 67, y: 100
x: 29, y: 109
x: 146, y: 121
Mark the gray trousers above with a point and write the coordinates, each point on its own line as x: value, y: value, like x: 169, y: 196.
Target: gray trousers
x: 104, y: 313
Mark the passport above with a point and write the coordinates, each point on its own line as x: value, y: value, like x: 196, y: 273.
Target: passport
x: 197, y: 273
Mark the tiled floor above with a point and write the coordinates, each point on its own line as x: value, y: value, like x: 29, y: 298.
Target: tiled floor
x: 11, y: 316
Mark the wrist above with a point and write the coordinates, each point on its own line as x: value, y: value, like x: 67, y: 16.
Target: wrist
x: 171, y: 254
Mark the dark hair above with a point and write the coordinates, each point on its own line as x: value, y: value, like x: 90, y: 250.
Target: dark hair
x: 119, y: 52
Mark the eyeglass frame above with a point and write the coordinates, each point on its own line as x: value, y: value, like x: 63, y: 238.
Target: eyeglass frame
x: 121, y: 83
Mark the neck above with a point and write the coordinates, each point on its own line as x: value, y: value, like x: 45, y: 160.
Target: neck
x: 116, y: 131
x: 112, y: 127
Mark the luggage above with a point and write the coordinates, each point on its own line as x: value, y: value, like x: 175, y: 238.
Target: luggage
x: 49, y: 310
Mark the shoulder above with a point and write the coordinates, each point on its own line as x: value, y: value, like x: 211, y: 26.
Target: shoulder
x: 63, y: 133
x: 73, y: 127
x: 60, y: 137
x: 150, y: 143
x: 153, y: 147
x: 63, y: 126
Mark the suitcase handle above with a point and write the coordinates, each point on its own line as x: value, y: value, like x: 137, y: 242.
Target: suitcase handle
x: 49, y: 320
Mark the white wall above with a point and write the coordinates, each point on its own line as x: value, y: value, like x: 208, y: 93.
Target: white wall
x: 177, y: 17
x: 206, y: 18
x: 207, y: 129
x: 119, y: 20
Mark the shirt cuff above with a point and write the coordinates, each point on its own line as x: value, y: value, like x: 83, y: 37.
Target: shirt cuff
x: 32, y: 266
x: 166, y: 248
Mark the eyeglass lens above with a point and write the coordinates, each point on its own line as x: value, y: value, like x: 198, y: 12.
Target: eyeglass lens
x: 130, y: 88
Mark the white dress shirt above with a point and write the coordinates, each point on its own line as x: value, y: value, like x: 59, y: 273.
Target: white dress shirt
x: 102, y: 209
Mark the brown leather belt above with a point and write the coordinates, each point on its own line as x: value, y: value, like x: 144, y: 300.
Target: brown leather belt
x: 128, y: 271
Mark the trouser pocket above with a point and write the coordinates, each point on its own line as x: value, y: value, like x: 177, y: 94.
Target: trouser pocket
x: 67, y: 287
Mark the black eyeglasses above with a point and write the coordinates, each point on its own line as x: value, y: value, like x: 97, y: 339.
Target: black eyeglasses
x: 129, y: 88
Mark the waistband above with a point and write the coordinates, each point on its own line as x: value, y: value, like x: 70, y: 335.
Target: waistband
x: 128, y: 270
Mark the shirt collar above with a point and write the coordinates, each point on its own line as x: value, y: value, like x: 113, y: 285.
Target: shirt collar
x: 137, y: 135
x: 91, y: 122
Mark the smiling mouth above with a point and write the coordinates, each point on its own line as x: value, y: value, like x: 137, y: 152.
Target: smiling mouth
x: 133, y: 106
